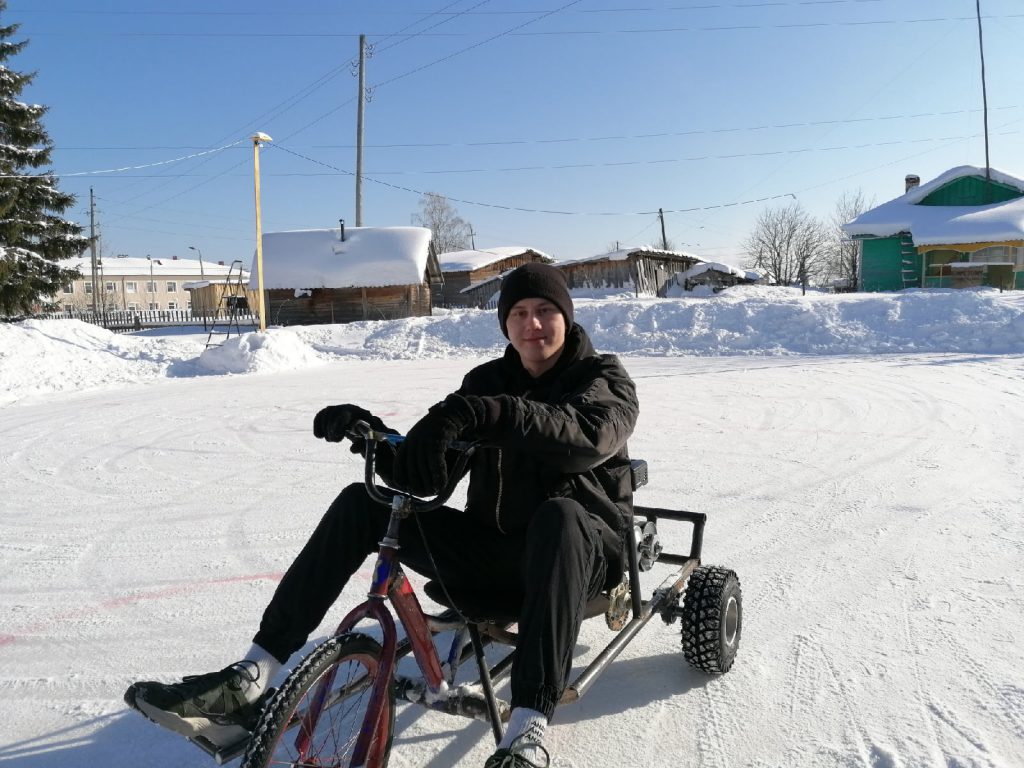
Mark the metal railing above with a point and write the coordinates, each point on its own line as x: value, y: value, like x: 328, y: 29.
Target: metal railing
x: 121, y: 321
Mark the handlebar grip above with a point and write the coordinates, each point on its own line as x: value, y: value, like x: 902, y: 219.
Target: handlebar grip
x: 373, y: 437
x: 458, y: 445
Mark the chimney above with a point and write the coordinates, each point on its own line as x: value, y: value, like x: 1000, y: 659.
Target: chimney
x: 174, y: 258
x: 221, y: 263
x: 341, y: 222
x: 912, y: 180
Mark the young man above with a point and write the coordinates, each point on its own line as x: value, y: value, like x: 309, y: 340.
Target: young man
x: 546, y: 514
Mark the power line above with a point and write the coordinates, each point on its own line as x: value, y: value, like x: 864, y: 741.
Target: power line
x: 532, y: 210
x: 551, y: 33
x: 560, y: 166
x: 663, y: 134
x: 434, y: 63
x: 520, y: 12
x: 583, y: 139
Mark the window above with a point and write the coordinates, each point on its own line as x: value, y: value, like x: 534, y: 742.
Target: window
x: 109, y: 287
x: 154, y: 305
x: 68, y: 308
x: 172, y: 286
x: 88, y: 287
x: 133, y: 307
x: 69, y: 288
x: 1004, y: 253
x: 172, y: 305
x: 130, y: 287
x: 151, y: 286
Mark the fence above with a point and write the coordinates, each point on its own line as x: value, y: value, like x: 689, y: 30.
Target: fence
x: 123, y: 321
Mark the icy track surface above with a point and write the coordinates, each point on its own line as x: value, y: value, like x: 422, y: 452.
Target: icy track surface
x: 870, y: 504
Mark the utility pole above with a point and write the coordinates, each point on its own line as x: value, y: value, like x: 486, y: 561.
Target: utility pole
x: 92, y: 250
x: 984, y: 102
x: 664, y: 240
x: 472, y: 238
x: 359, y: 130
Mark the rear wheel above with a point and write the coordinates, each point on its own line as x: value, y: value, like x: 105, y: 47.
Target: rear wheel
x: 316, y: 716
x: 712, y: 617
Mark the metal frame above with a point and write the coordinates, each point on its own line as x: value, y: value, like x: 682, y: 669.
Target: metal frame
x: 435, y: 688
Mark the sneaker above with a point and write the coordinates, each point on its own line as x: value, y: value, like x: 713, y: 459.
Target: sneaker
x: 214, y: 706
x: 513, y: 757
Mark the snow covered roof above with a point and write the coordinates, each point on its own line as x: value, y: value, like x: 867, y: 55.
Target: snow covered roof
x: 945, y: 224
x: 718, y: 266
x: 134, y: 266
x: 368, y: 257
x: 624, y: 253
x: 459, y: 261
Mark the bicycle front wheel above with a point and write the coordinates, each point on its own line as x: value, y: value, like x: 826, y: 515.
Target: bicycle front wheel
x: 316, y: 716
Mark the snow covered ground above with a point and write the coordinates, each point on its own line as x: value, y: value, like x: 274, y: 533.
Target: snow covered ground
x: 861, y: 460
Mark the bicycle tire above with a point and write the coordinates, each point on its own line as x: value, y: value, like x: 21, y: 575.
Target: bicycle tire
x: 347, y: 666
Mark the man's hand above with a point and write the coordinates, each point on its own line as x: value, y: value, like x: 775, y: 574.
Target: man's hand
x: 420, y: 465
x: 333, y: 422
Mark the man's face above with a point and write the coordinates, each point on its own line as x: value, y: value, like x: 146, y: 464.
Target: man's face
x: 536, y: 328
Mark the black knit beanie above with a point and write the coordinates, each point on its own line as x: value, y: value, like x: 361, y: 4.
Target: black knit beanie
x: 534, y: 281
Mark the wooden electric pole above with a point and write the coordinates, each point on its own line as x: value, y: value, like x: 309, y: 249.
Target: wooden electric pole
x: 664, y: 240
x: 92, y: 251
x: 359, y: 131
x: 984, y: 101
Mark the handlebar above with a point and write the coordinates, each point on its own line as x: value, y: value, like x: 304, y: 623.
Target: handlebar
x: 373, y: 437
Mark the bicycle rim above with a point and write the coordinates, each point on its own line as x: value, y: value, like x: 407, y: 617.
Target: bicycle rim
x: 316, y: 717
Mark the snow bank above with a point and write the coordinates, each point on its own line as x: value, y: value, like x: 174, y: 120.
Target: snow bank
x: 42, y: 356
x: 278, y: 350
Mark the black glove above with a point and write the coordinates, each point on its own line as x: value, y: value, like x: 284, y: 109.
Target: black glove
x: 420, y: 465
x: 333, y: 422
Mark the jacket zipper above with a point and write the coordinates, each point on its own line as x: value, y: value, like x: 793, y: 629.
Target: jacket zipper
x: 497, y: 505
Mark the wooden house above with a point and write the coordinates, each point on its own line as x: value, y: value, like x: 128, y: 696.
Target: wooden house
x: 715, y: 275
x: 642, y: 271
x: 964, y: 228
x: 461, y: 270
x: 343, y: 275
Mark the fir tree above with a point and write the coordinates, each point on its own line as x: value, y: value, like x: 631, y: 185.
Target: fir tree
x: 33, y: 236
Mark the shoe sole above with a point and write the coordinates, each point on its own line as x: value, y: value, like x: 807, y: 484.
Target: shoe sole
x: 189, y: 727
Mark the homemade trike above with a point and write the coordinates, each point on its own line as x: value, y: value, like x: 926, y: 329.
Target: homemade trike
x: 337, y: 707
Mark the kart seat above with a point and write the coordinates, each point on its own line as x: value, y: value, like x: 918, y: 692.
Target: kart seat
x: 489, y: 607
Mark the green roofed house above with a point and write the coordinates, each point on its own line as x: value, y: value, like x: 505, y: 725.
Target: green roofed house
x: 959, y: 230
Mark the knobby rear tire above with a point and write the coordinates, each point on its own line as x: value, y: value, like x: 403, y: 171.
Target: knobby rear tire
x: 712, y: 618
x: 351, y: 658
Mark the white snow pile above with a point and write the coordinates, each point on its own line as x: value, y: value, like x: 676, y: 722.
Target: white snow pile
x: 38, y: 356
x: 41, y: 356
x: 278, y: 350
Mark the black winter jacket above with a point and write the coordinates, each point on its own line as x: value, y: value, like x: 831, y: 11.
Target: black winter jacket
x: 562, y: 434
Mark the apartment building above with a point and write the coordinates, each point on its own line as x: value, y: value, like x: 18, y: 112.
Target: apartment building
x: 136, y: 283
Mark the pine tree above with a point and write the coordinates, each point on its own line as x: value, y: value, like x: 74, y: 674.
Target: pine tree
x: 33, y: 236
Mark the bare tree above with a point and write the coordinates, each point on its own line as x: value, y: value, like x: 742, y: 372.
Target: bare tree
x: 787, y: 245
x: 843, y: 258
x: 451, y: 231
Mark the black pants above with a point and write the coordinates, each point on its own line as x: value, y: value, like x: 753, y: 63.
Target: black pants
x: 558, y: 563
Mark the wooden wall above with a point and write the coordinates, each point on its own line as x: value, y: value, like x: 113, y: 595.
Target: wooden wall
x: 455, y: 281
x: 347, y: 305
x: 648, y: 274
x: 208, y: 299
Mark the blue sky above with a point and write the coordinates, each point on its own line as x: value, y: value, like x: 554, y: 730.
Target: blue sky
x: 601, y: 110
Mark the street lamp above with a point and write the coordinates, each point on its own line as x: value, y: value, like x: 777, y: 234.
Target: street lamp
x: 256, y: 139
x: 152, y: 282
x: 202, y: 274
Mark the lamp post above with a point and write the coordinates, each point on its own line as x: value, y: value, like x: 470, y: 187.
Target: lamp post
x: 202, y: 274
x: 203, y: 294
x: 256, y: 139
x: 152, y: 282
